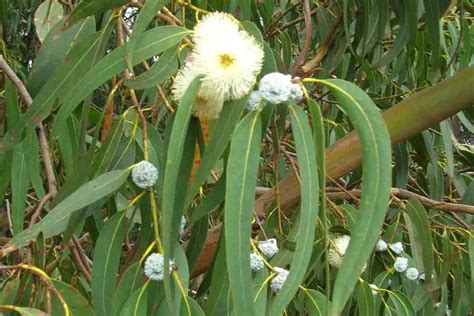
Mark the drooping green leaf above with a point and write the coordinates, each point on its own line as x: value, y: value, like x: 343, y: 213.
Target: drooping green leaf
x: 9, y: 291
x: 106, y: 263
x: 376, y: 184
x: 241, y: 180
x: 173, y: 163
x: 108, y: 149
x: 57, y: 219
x: 309, y: 206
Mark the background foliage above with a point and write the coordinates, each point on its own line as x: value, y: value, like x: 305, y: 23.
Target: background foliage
x: 75, y: 231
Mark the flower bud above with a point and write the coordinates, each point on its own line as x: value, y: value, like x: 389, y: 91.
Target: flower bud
x: 144, y: 174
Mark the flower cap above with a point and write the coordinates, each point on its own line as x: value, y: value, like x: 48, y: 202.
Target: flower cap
x: 275, y: 87
x: 412, y: 274
x: 397, y: 247
x: 279, y: 280
x: 381, y: 246
x: 256, y: 262
x: 154, y: 266
x: 268, y: 247
x: 144, y: 174
x: 278, y: 88
x: 401, y: 264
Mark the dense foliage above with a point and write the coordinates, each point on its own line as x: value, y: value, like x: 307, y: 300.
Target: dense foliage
x: 354, y: 193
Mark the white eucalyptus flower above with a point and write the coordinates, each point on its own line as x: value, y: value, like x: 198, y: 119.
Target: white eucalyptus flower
x: 215, y: 22
x: 144, y: 174
x: 229, y: 62
x: 401, y: 264
x: 279, y: 280
x: 228, y: 59
x: 203, y: 107
x: 337, y: 250
x: 256, y: 262
x: 412, y: 274
x: 268, y: 247
x: 381, y: 246
x: 397, y: 247
x: 154, y: 266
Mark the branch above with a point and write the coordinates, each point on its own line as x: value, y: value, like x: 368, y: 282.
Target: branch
x: 407, y: 195
x: 310, y: 65
x: 307, y: 38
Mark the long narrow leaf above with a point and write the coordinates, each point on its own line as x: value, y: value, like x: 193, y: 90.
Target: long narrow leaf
x: 376, y: 183
x: 308, y: 208
x: 241, y: 181
x: 170, y: 181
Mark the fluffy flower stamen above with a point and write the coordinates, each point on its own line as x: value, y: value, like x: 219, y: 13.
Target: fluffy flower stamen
x: 228, y: 60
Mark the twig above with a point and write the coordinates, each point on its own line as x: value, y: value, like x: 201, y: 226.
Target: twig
x: 78, y: 261
x: 84, y: 257
x: 307, y: 38
x: 37, y: 212
x: 168, y: 17
x: 323, y: 50
x: 406, y: 195
x: 281, y: 16
x: 44, y: 278
x: 289, y: 24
